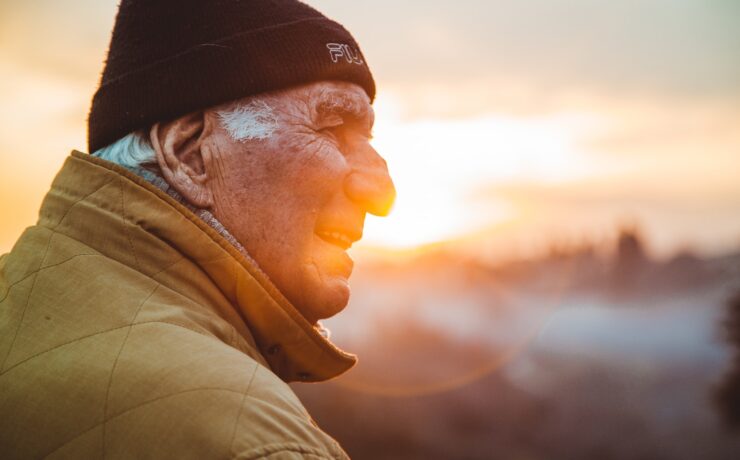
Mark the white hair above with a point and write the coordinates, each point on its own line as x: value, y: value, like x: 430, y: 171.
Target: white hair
x: 132, y: 151
x: 254, y: 120
x: 243, y: 121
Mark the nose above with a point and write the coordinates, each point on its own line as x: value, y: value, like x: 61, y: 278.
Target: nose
x: 369, y: 184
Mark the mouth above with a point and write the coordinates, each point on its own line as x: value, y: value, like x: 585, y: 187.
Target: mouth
x: 338, y: 238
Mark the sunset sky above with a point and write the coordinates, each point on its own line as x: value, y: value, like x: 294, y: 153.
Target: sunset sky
x: 510, y: 122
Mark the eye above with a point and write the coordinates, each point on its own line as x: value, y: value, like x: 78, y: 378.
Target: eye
x: 333, y: 131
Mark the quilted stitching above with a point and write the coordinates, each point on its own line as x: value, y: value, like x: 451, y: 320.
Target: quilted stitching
x: 44, y: 268
x: 274, y: 450
x: 118, y: 355
x: 125, y: 225
x: 143, y: 323
x: 35, y: 273
x: 241, y: 408
x: 25, y: 306
x: 80, y: 200
x: 113, y: 416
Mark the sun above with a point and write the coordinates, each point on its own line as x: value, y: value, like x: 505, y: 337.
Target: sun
x: 439, y: 168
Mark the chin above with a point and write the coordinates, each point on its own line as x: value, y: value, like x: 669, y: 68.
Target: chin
x: 321, y: 284
x: 329, y: 299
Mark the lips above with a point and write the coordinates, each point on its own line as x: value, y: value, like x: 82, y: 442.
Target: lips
x: 340, y: 238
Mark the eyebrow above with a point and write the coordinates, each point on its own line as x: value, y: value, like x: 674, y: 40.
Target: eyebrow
x: 344, y: 104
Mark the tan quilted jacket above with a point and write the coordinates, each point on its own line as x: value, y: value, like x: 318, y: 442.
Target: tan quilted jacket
x: 131, y: 329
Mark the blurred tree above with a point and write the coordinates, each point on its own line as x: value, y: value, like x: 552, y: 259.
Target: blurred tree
x: 630, y: 263
x: 727, y: 396
x: 630, y: 249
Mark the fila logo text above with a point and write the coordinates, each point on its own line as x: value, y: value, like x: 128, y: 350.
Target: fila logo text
x: 341, y: 50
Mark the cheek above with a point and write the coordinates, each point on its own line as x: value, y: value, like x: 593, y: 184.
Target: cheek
x: 312, y: 165
x: 278, y: 188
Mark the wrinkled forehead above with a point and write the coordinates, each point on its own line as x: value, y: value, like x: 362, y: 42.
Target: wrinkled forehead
x: 325, y: 99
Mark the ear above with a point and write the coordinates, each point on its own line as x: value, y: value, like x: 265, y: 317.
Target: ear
x: 177, y: 145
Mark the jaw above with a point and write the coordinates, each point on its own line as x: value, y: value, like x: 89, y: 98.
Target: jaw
x: 310, y: 272
x: 323, y: 290
x: 330, y: 299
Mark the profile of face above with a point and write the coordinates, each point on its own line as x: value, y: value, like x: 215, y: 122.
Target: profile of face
x: 291, y: 175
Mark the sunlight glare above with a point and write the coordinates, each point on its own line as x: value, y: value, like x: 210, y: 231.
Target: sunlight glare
x: 438, y: 165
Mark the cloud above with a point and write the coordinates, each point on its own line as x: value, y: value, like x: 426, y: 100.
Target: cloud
x: 655, y: 48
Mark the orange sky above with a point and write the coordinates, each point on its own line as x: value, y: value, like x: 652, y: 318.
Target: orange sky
x: 507, y: 120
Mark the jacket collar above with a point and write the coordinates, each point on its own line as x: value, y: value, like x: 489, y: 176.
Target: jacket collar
x: 141, y: 226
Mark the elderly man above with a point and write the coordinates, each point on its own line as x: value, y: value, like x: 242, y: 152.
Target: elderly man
x: 176, y: 277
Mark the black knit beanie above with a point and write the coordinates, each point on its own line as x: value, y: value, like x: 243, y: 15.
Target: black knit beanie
x: 171, y: 57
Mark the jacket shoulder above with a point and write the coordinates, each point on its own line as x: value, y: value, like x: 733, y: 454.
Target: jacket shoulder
x: 272, y: 423
x: 176, y: 393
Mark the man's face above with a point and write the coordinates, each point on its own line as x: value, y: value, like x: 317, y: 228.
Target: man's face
x: 297, y: 199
